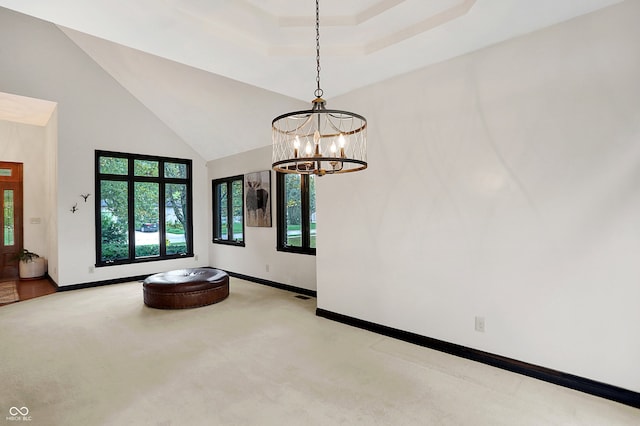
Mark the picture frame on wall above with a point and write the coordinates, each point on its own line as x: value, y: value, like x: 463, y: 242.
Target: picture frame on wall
x: 257, y: 203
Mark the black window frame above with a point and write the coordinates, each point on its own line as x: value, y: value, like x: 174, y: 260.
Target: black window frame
x: 305, y: 213
x: 131, y: 179
x: 216, y: 226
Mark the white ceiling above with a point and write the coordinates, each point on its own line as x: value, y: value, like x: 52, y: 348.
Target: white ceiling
x: 24, y: 110
x: 270, y: 44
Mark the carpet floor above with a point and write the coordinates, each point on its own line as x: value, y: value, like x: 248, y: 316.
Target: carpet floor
x: 8, y: 292
x: 100, y: 357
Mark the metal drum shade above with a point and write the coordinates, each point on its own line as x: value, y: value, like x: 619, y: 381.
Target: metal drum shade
x: 319, y: 141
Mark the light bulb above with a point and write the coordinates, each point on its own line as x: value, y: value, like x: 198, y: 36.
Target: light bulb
x: 308, y: 149
x: 333, y: 149
x: 341, y: 140
x: 296, y: 147
x: 316, y: 141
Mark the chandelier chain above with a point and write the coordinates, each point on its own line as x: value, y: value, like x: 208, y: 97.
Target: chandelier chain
x: 319, y: 91
x: 319, y: 141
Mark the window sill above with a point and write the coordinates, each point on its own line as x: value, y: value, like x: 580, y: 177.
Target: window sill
x: 229, y: 243
x: 298, y: 250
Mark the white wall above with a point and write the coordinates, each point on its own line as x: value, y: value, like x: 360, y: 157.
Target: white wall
x: 94, y: 112
x: 51, y: 215
x: 27, y: 144
x: 502, y: 184
x: 297, y: 270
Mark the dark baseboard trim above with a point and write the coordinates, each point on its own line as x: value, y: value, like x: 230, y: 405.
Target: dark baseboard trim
x: 52, y: 281
x: 293, y: 289
x: 578, y: 383
x: 101, y: 283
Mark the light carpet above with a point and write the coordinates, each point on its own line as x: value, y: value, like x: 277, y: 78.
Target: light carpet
x: 8, y: 292
x: 261, y: 357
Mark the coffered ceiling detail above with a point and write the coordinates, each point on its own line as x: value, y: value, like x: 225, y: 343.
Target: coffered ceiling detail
x: 271, y: 43
x: 196, y: 63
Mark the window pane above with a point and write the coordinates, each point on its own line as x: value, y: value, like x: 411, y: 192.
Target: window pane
x: 114, y: 165
x: 221, y: 197
x: 130, y: 228
x: 238, y: 214
x: 114, y: 222
x: 293, y: 210
x: 175, y: 218
x: 9, y: 226
x: 312, y: 210
x: 175, y: 170
x: 145, y: 168
x: 146, y: 213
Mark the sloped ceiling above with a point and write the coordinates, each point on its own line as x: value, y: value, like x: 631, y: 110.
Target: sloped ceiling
x: 174, y: 54
x: 24, y: 110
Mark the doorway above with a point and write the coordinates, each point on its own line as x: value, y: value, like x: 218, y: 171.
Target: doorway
x: 10, y: 219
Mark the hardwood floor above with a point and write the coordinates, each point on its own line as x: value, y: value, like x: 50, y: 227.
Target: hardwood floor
x: 29, y: 289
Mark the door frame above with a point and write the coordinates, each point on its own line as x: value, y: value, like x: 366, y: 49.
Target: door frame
x: 11, y: 177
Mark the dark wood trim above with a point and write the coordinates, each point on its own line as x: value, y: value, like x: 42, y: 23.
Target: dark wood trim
x: 101, y: 283
x: 9, y: 264
x: 51, y: 280
x: 291, y: 288
x: 571, y: 381
x: 281, y: 219
x: 130, y: 179
x: 216, y: 226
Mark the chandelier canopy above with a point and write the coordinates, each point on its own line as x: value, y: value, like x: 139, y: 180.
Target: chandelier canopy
x: 319, y: 141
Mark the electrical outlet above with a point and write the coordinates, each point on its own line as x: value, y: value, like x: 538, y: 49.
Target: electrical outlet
x: 266, y: 267
x: 92, y: 269
x: 195, y: 258
x: 480, y: 324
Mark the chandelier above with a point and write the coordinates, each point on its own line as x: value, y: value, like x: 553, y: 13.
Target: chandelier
x: 319, y: 141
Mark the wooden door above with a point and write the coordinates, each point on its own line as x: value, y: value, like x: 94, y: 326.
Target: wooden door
x: 10, y: 218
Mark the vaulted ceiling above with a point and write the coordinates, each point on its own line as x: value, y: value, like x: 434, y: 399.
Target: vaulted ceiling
x: 270, y: 44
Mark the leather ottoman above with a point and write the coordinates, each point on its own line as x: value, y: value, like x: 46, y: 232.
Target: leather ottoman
x: 185, y: 288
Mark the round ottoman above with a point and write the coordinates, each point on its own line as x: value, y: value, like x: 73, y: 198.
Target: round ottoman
x: 185, y: 288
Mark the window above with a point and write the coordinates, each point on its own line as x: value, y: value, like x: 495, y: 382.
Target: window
x: 143, y: 208
x: 228, y: 211
x: 296, y: 213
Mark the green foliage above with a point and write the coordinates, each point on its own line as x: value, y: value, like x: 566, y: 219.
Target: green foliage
x: 175, y: 170
x: 237, y: 228
x: 111, y: 251
x: 145, y: 168
x: 114, y: 166
x: 154, y: 249
x: 174, y: 228
x: 27, y: 256
x: 146, y: 195
x: 293, y: 193
x: 176, y: 197
x: 114, y: 252
x: 114, y: 198
x: 176, y: 248
x: 117, y: 214
x: 293, y: 199
x: 148, y: 250
x: 113, y: 231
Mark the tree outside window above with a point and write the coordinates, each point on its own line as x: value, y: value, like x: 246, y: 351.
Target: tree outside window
x: 228, y: 210
x: 296, y: 213
x: 142, y: 208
